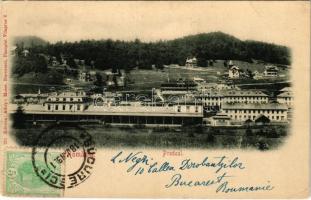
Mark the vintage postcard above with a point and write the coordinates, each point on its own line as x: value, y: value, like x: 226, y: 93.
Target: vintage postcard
x: 160, y: 99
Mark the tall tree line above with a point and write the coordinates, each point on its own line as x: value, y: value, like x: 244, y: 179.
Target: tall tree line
x: 106, y: 54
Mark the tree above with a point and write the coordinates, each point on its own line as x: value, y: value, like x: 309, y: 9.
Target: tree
x: 273, y: 133
x: 19, y: 118
x: 202, y: 62
x: 249, y: 73
x: 225, y: 63
x: 54, y: 77
x: 210, y: 138
x: 109, y: 53
x: 249, y: 132
x: 99, y: 80
x: 72, y: 63
x: 39, y: 63
x: 32, y: 63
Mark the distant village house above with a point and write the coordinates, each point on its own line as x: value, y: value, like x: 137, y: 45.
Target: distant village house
x: 191, y: 62
x: 234, y: 72
x: 271, y: 71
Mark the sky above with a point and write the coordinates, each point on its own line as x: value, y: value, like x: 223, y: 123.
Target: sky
x: 152, y: 21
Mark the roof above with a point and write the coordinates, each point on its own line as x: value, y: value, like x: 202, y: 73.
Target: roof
x: 248, y: 121
x: 243, y: 93
x: 179, y: 84
x: 262, y: 118
x: 112, y: 110
x: 254, y: 106
x: 33, y: 95
x: 188, y: 101
x: 68, y: 94
x: 190, y: 60
x: 285, y: 94
x: 271, y: 68
x: 234, y: 67
x: 221, y: 116
x: 286, y: 89
x: 211, y: 93
x: 198, y: 79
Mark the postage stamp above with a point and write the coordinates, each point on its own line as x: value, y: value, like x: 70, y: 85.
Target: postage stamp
x: 21, y: 178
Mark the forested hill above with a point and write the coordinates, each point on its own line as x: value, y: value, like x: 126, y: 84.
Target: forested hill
x: 129, y: 54
x: 29, y: 41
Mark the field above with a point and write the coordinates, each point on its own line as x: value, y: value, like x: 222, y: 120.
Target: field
x: 139, y: 79
x: 263, y: 138
x: 147, y: 79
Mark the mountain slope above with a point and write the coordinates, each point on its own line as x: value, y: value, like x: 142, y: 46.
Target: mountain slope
x: 29, y: 41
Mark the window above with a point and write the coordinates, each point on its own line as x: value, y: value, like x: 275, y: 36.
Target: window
x: 197, y: 109
x: 70, y: 107
x: 277, y: 117
x: 78, y: 107
x: 56, y: 107
x: 49, y: 107
x: 64, y: 107
x: 178, y: 109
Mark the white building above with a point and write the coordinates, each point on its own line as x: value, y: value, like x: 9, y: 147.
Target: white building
x: 188, y: 105
x: 66, y: 101
x: 25, y: 52
x: 234, y: 72
x: 286, y: 98
x: 191, y: 62
x: 242, y: 112
x: 245, y: 96
x: 84, y: 76
x: 198, y: 80
x: 202, y: 87
x: 257, y: 75
x: 271, y: 71
x: 213, y: 99
x: 220, y: 119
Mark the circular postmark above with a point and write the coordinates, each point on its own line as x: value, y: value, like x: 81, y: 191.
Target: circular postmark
x: 64, y: 156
